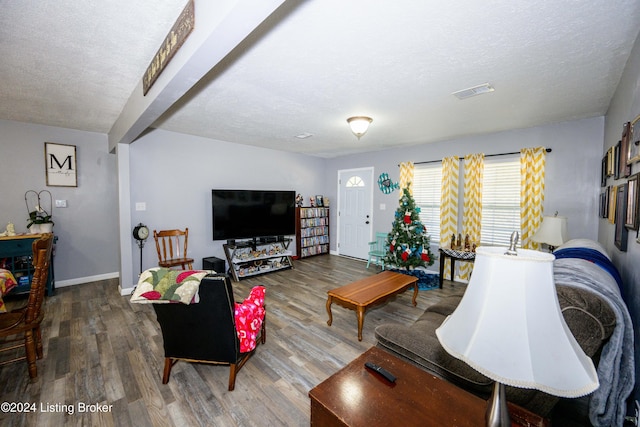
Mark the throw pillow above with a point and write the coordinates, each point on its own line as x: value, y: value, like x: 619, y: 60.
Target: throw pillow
x: 249, y: 316
x: 161, y: 286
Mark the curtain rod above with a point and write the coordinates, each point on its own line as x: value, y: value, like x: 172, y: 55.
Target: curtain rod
x: 548, y: 150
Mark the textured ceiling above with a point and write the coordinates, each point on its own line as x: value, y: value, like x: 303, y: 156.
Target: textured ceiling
x: 314, y: 63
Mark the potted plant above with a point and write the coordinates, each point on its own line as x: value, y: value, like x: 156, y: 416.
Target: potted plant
x: 39, y: 221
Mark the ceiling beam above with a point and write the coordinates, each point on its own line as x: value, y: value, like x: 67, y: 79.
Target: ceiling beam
x: 218, y: 29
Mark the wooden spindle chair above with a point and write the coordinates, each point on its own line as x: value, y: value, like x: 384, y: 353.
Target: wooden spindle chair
x: 172, y: 248
x: 22, y: 325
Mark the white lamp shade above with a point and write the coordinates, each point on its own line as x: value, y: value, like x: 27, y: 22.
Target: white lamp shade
x: 552, y: 231
x: 509, y: 327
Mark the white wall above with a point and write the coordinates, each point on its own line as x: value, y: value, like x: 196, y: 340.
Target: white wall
x: 571, y: 185
x: 174, y: 175
x: 85, y: 229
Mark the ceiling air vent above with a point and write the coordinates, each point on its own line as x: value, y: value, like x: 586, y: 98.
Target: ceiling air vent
x: 473, y: 91
x: 304, y: 135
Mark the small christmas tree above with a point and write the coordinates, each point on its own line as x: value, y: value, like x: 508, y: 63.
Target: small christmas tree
x: 408, y: 242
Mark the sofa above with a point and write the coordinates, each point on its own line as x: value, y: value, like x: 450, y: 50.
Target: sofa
x: 594, y: 312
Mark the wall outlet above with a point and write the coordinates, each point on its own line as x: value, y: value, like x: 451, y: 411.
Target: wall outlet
x: 141, y: 206
x: 61, y: 203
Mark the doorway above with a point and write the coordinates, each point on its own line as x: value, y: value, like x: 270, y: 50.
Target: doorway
x: 355, y: 211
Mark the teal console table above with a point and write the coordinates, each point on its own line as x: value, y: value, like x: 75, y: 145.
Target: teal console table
x: 16, y: 255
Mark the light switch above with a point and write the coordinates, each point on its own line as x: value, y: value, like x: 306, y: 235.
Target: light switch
x: 61, y: 203
x: 141, y: 206
x: 383, y: 206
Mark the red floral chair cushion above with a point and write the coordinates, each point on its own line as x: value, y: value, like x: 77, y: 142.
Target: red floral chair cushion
x: 249, y: 316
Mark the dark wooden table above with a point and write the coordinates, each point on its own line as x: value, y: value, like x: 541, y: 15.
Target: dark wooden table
x: 356, y: 396
x: 453, y: 255
x: 370, y: 291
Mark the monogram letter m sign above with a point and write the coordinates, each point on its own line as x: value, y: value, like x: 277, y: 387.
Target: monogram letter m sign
x: 60, y: 165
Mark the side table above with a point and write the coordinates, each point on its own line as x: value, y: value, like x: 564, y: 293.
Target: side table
x: 453, y: 255
x: 356, y: 396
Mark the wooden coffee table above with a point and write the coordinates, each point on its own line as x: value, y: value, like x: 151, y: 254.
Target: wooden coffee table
x: 362, y: 294
x: 356, y: 396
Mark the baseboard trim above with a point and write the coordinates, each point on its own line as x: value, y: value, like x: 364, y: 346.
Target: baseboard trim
x: 87, y: 279
x: 126, y: 291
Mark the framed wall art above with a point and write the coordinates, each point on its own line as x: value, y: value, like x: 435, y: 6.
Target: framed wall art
x: 616, y: 161
x: 613, y: 196
x: 610, y: 161
x: 604, y: 203
x: 631, y: 218
x: 60, y: 165
x: 620, y: 239
x: 634, y: 144
x: 625, y: 167
x: 634, y: 151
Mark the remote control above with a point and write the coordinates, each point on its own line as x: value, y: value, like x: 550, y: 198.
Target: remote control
x: 379, y: 369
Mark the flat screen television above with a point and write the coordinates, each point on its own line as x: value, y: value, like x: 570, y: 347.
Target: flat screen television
x: 243, y: 214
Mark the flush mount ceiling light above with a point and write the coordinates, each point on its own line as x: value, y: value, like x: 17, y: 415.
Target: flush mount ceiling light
x: 359, y: 125
x: 473, y: 91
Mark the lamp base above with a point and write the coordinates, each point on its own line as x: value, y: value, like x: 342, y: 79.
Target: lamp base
x: 497, y: 411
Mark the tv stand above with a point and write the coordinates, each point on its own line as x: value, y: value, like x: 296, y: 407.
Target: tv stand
x: 257, y: 256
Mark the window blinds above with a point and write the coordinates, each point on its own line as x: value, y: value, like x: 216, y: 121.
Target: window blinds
x: 427, y: 187
x: 500, y: 201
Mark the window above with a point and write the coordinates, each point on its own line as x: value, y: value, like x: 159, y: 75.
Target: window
x: 355, y: 181
x: 427, y: 187
x: 500, y: 201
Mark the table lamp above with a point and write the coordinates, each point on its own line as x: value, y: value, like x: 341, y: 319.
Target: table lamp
x: 509, y: 327
x: 552, y: 231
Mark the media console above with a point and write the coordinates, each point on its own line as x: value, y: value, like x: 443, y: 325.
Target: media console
x: 257, y: 256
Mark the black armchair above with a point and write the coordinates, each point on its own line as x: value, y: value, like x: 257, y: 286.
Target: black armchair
x: 204, y: 332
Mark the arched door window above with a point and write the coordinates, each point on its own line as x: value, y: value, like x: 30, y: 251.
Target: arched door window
x: 355, y: 181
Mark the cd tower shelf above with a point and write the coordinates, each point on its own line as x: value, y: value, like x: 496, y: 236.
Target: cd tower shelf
x: 312, y: 231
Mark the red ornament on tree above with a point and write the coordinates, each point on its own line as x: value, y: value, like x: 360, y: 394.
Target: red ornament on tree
x: 425, y: 255
x: 407, y: 217
x: 405, y: 254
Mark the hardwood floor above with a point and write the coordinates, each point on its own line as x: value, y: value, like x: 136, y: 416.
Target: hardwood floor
x: 102, y: 350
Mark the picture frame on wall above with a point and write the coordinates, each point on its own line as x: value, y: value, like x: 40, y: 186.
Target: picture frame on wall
x: 603, y: 172
x: 621, y: 232
x: 616, y: 161
x: 613, y: 195
x: 60, y: 165
x: 625, y: 167
x: 631, y: 217
x: 604, y: 203
x: 634, y: 151
x: 610, y: 162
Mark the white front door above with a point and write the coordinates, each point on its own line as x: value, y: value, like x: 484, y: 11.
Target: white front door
x: 355, y: 195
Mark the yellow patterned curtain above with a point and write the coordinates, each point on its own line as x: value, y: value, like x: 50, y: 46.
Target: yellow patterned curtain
x: 472, y: 209
x: 449, y: 205
x: 406, y: 177
x: 532, y: 161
